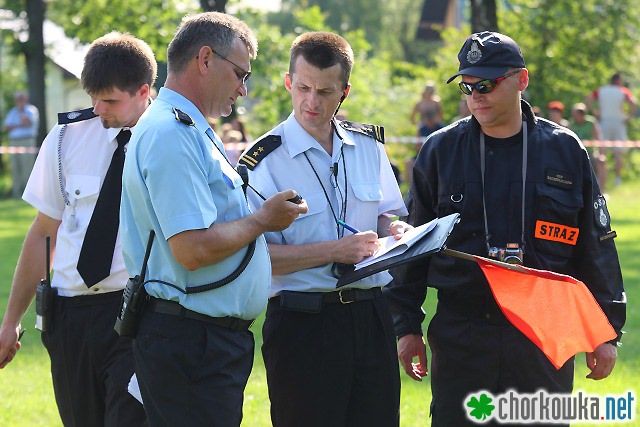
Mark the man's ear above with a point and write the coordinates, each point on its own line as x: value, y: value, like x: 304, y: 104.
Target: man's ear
x: 287, y: 81
x: 524, y: 79
x: 205, y: 55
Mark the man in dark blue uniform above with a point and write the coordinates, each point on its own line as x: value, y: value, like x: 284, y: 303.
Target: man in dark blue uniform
x: 505, y: 172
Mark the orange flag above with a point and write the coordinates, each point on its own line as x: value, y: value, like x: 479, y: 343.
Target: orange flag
x: 556, y: 312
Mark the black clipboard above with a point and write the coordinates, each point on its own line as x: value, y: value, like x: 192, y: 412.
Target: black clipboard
x: 433, y: 242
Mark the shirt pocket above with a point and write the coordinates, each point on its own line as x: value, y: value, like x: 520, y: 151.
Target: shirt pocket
x: 309, y: 227
x: 557, y: 220
x: 83, y: 187
x: 364, y: 212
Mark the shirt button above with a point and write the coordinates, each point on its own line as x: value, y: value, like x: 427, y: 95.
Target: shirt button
x: 77, y: 192
x: 95, y: 289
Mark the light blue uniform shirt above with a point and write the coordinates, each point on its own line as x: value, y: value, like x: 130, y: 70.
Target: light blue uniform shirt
x: 13, y: 118
x: 371, y: 191
x: 175, y: 179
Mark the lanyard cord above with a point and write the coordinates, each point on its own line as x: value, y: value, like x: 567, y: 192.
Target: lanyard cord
x: 524, y: 181
x: 326, y: 195
x: 343, y: 211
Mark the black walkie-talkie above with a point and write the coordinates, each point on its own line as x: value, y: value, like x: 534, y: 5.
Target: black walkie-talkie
x: 45, y: 295
x: 133, y: 299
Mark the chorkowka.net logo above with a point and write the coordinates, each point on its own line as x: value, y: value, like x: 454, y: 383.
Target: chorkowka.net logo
x: 579, y: 407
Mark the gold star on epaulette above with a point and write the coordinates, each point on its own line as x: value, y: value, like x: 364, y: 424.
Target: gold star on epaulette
x: 260, y: 150
x: 373, y: 131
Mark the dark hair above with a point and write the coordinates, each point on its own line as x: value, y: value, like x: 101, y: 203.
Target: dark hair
x: 323, y: 50
x: 216, y: 30
x: 616, y: 78
x: 118, y: 60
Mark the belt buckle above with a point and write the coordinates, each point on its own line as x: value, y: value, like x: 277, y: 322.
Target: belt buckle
x: 341, y: 298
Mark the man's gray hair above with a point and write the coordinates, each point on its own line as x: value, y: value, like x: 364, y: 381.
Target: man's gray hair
x: 216, y: 30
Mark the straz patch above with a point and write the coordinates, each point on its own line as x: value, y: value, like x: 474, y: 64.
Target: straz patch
x: 556, y: 232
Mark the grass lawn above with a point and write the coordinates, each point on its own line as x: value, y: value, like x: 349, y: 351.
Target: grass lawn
x: 26, y: 395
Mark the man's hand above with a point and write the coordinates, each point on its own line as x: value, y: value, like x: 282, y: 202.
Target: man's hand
x: 601, y: 361
x: 353, y: 248
x: 9, y: 344
x: 277, y: 213
x: 398, y: 228
x: 410, y: 346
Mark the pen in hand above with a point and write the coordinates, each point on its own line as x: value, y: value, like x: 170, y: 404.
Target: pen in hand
x: 348, y: 227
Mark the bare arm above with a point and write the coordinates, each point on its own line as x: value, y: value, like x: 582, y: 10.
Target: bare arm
x: 589, y: 101
x: 29, y: 271
x: 197, y: 248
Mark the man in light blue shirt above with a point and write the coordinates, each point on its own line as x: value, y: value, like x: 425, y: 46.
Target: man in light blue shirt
x: 21, y: 125
x: 208, y: 274
x: 330, y: 354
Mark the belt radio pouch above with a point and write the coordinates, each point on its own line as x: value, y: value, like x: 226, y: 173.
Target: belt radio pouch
x: 305, y: 302
x: 133, y: 299
x: 45, y: 296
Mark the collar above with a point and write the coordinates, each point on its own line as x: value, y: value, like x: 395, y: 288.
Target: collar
x: 298, y: 140
x: 177, y: 100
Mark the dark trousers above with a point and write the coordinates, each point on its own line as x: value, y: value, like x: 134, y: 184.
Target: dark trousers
x: 336, y: 368
x: 484, y: 353
x: 91, y: 365
x: 191, y: 373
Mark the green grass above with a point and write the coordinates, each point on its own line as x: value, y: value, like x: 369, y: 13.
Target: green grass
x: 26, y: 395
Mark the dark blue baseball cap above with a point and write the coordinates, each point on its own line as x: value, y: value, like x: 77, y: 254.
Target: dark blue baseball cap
x: 488, y: 55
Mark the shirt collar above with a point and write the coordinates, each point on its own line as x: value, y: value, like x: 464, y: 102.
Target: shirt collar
x: 299, y: 140
x: 180, y: 102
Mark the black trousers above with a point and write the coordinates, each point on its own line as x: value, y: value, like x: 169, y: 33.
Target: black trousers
x: 336, y: 368
x: 91, y: 365
x: 191, y: 373
x: 484, y: 353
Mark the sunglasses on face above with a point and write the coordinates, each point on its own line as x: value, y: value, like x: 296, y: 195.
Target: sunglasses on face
x: 484, y: 86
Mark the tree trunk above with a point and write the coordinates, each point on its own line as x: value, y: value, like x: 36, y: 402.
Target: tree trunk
x: 213, y: 5
x: 483, y: 16
x: 33, y: 51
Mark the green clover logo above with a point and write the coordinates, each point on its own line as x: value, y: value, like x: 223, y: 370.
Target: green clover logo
x: 482, y: 408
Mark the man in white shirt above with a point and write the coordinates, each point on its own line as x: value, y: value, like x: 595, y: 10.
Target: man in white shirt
x: 610, y: 110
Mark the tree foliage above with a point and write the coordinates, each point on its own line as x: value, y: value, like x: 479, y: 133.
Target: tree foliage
x: 572, y: 47
x: 154, y: 21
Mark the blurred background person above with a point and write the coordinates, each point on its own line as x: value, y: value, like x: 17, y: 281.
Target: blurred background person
x: 587, y: 129
x: 608, y: 104
x: 555, y: 111
x: 21, y: 124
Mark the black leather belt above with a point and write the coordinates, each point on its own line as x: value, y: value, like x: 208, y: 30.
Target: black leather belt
x: 347, y: 296
x: 173, y: 308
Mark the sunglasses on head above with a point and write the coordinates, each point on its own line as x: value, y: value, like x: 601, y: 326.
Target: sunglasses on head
x: 484, y: 86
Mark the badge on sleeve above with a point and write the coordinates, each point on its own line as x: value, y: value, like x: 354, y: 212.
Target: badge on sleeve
x: 601, y: 213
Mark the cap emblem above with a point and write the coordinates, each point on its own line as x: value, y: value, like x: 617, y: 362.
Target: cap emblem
x: 474, y: 55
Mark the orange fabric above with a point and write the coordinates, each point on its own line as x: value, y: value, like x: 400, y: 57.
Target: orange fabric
x: 556, y: 312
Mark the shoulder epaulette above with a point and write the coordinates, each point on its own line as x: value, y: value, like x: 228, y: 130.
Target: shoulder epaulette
x: 76, y: 116
x: 373, y: 131
x: 183, y: 117
x: 259, y: 150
